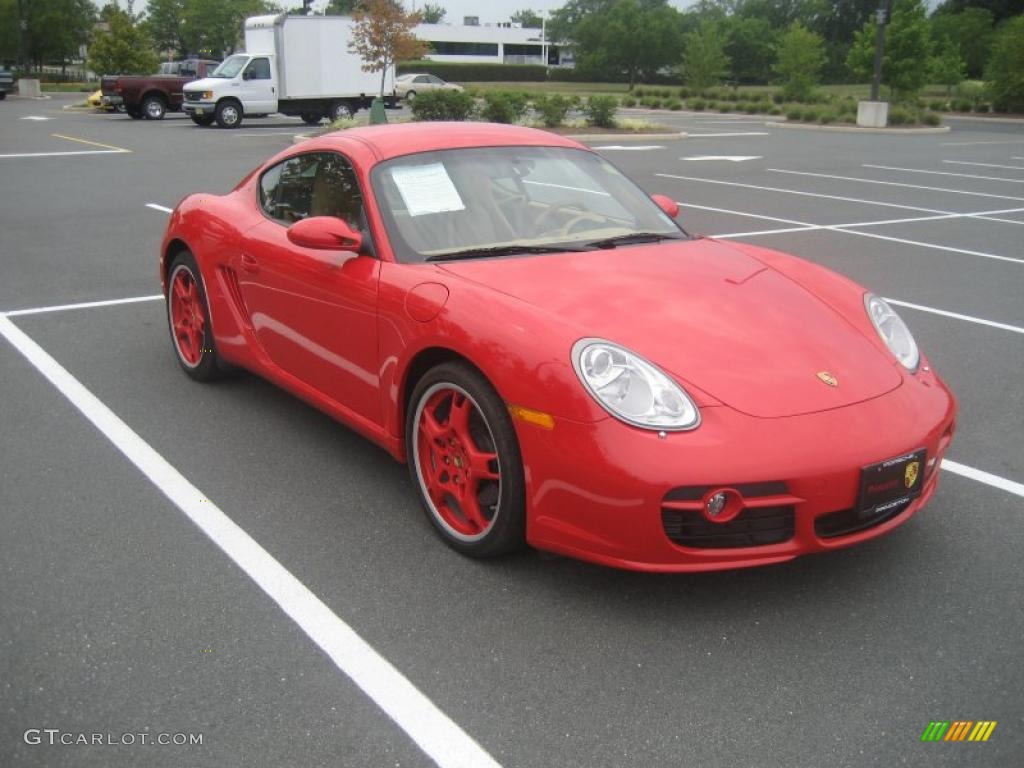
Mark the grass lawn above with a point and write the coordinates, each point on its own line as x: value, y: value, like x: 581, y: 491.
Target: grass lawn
x: 69, y: 87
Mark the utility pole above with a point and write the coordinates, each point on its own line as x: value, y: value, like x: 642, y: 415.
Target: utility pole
x: 882, y: 18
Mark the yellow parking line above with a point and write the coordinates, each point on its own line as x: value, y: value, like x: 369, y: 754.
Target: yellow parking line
x: 86, y: 141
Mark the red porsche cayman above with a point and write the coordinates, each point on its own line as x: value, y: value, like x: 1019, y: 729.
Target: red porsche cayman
x: 558, y: 362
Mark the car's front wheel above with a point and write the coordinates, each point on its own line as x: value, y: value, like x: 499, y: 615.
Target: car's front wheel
x: 188, y: 317
x: 229, y: 114
x: 465, y: 462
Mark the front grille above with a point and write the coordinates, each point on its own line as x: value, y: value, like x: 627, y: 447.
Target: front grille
x: 193, y: 95
x: 848, y: 521
x: 753, y: 527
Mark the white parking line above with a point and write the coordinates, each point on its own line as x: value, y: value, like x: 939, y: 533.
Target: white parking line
x: 1010, y: 486
x: 957, y: 316
x: 987, y: 165
x: 943, y: 173
x: 68, y: 154
x: 432, y: 730
x: 894, y: 184
x: 975, y: 143
x: 82, y: 305
x: 161, y: 208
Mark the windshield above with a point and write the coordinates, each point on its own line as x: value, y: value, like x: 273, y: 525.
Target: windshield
x: 230, y: 67
x: 508, y: 200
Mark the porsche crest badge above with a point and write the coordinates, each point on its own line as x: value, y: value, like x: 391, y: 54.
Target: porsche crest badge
x: 828, y: 378
x: 910, y: 474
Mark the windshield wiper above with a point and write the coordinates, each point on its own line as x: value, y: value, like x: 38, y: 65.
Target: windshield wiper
x: 632, y: 239
x: 501, y: 250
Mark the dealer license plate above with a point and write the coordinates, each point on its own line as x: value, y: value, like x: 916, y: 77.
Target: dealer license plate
x: 198, y: 110
x: 890, y: 484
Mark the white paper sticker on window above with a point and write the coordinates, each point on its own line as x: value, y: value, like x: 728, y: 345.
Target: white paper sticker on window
x: 427, y: 189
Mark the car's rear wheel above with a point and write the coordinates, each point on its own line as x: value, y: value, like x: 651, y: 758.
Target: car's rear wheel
x: 340, y: 110
x: 188, y: 318
x: 153, y: 108
x: 203, y: 120
x: 465, y: 462
x: 229, y: 114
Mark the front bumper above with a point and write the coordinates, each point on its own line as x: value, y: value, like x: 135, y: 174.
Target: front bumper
x: 199, y: 107
x: 598, y: 491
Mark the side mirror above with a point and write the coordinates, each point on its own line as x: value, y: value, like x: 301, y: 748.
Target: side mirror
x: 325, y: 233
x: 247, y: 75
x: 667, y: 204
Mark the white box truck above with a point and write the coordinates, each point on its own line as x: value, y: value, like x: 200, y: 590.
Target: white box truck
x: 296, y: 65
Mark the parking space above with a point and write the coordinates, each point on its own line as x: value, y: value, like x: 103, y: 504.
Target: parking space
x: 123, y: 615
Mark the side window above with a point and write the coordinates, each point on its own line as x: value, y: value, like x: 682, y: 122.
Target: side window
x: 423, y: 79
x: 435, y: 80
x: 187, y: 69
x: 258, y: 69
x: 336, y: 190
x: 317, y: 184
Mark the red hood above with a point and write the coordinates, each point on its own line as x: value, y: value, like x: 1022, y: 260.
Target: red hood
x: 708, y: 314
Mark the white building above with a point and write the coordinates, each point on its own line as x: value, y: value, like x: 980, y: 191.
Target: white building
x: 491, y: 44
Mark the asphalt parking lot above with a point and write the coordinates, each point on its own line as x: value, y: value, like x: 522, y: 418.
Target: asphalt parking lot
x: 118, y: 615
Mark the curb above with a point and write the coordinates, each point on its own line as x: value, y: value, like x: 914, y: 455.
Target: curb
x: 982, y: 118
x: 855, y: 129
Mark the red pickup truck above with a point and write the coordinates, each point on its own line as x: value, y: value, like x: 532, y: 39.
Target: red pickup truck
x: 152, y: 96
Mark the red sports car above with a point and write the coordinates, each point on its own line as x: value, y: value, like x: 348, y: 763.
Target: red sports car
x: 558, y: 362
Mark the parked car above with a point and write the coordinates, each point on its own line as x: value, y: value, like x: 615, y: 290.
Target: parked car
x: 557, y: 360
x: 293, y: 65
x: 408, y: 85
x: 6, y: 83
x: 152, y: 96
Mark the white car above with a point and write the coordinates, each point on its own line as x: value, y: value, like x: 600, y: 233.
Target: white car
x: 407, y: 86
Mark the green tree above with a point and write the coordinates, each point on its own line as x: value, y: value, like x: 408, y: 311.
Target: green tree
x: 124, y: 49
x: 907, y: 50
x: 163, y: 23
x: 1000, y: 9
x: 947, y: 66
x: 528, y: 18
x: 631, y: 38
x: 432, y: 14
x: 972, y: 30
x: 749, y: 47
x: 57, y: 28
x: 565, y: 21
x: 383, y: 35
x: 1005, y: 71
x: 215, y: 27
x: 341, y: 7
x: 705, y: 61
x: 10, y: 37
x: 837, y: 24
x: 801, y: 56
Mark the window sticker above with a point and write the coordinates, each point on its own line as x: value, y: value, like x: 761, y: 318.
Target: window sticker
x: 427, y: 189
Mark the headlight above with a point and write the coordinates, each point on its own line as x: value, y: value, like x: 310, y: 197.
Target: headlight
x: 207, y: 96
x: 632, y: 389
x: 893, y: 330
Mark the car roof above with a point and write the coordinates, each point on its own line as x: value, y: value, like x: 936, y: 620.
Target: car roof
x: 388, y: 141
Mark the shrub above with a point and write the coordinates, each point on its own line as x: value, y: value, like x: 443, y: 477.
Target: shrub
x: 443, y: 105
x: 697, y: 104
x: 779, y: 97
x: 665, y: 93
x: 457, y: 72
x: 725, y: 106
x: 713, y: 106
x: 899, y: 116
x: 600, y: 111
x: 775, y: 111
x: 810, y: 114
x: 794, y: 112
x: 628, y: 102
x: 826, y: 117
x: 742, y: 106
x: 553, y: 108
x: 639, y: 92
x: 931, y: 118
x: 683, y: 93
x: 504, y: 106
x: 936, y: 105
x: 1005, y: 70
x: 962, y: 105
x: 674, y: 104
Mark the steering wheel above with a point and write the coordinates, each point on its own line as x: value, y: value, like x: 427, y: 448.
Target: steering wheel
x: 567, y: 228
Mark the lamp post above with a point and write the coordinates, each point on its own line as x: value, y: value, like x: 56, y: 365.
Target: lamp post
x: 882, y: 17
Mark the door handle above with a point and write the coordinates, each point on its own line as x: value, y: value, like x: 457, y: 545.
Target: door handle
x: 249, y: 263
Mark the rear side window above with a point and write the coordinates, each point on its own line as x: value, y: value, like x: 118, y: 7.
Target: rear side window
x: 315, y: 184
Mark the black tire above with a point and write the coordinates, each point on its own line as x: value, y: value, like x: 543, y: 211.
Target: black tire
x: 229, y: 114
x: 209, y: 365
x: 203, y: 121
x: 154, y: 108
x: 502, y: 501
x: 134, y: 113
x: 311, y: 118
x: 3, y: 95
x: 340, y: 110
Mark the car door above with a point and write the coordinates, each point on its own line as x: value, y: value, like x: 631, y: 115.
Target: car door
x: 314, y: 312
x: 258, y: 90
